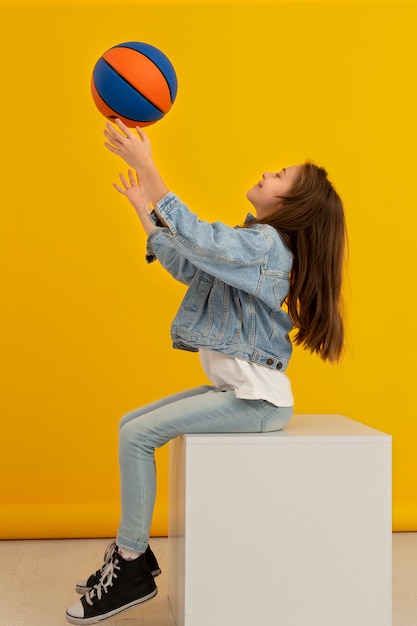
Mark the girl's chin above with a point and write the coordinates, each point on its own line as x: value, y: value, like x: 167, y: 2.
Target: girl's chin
x: 249, y: 194
x: 253, y: 206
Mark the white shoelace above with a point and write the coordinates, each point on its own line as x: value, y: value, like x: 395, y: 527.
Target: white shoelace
x: 108, y: 556
x: 109, y: 553
x: 106, y: 581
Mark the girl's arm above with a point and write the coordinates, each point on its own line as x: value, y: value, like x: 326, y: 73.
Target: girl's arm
x: 176, y: 264
x: 136, y: 152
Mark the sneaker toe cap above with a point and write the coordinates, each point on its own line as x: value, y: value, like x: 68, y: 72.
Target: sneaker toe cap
x: 83, y: 583
x: 76, y: 610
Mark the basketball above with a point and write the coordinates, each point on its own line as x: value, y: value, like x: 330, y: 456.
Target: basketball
x: 135, y: 82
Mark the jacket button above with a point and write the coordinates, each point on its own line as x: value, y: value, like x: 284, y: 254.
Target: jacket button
x: 279, y: 365
x: 269, y: 361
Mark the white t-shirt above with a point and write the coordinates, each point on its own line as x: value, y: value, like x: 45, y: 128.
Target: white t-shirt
x: 248, y: 380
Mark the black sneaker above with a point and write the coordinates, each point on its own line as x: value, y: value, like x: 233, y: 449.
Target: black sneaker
x: 123, y: 585
x: 111, y: 551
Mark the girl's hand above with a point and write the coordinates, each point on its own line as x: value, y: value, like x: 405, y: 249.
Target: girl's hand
x: 134, y: 192
x: 136, y: 151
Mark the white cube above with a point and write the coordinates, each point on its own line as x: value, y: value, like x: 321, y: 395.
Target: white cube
x: 291, y: 528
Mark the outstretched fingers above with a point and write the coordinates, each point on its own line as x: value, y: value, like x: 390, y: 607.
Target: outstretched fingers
x: 127, y: 184
x: 124, y: 181
x: 125, y: 187
x: 120, y: 189
x: 123, y: 128
x: 134, y: 182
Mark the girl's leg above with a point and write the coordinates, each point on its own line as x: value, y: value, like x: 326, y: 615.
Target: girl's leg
x: 203, y: 410
x: 127, y: 583
x: 122, y: 583
x: 153, y: 406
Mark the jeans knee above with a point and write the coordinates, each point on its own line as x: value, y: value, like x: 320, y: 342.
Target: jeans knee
x: 132, y: 436
x: 123, y: 437
x: 125, y: 419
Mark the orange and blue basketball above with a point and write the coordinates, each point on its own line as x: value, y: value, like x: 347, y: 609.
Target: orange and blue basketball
x: 135, y: 82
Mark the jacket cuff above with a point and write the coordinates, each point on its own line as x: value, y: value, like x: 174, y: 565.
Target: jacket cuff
x: 166, y: 203
x: 150, y: 255
x: 154, y: 218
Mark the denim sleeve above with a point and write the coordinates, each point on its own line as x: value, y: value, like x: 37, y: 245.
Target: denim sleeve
x: 173, y: 261
x: 216, y: 248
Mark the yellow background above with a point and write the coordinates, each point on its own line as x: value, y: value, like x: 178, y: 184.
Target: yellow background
x: 84, y: 326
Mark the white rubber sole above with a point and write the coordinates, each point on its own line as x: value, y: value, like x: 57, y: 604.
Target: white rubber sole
x: 101, y: 618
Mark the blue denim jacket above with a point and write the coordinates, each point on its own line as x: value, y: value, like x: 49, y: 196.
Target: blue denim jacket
x: 237, y: 281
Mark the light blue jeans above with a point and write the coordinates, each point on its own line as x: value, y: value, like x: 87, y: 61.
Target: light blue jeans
x: 199, y: 410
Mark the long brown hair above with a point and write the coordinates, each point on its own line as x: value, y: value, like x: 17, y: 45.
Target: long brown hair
x: 311, y: 220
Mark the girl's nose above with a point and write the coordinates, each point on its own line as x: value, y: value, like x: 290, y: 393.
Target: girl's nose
x: 266, y: 174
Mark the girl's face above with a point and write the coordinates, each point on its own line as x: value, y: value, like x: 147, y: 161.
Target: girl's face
x: 265, y: 195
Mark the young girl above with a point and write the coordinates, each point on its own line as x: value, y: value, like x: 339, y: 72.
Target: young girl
x: 238, y: 279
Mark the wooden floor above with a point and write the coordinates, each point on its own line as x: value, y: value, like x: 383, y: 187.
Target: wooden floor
x: 37, y: 581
